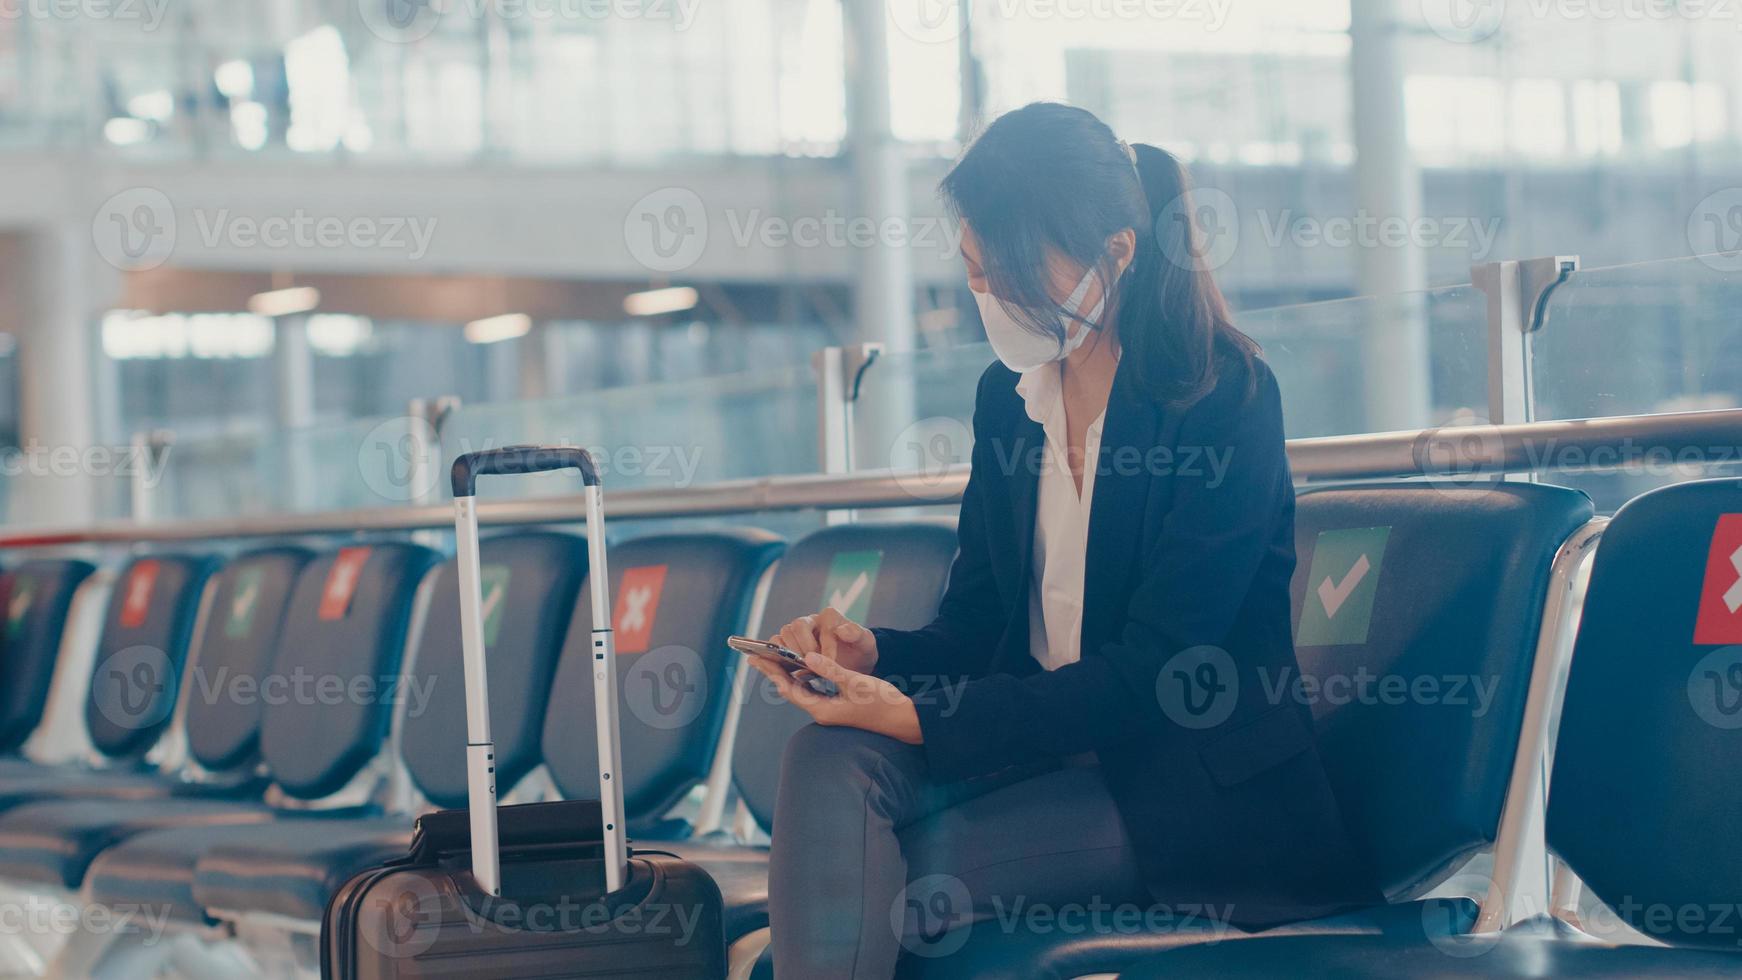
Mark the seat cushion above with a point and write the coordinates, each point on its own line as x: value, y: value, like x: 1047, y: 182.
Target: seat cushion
x: 55, y: 841
x: 741, y: 873
x: 153, y: 870
x: 34, y: 784
x: 292, y: 867
x: 30, y: 784
x: 1521, y: 952
x: 1045, y: 944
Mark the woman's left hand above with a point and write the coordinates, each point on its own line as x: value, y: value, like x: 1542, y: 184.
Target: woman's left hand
x: 866, y: 702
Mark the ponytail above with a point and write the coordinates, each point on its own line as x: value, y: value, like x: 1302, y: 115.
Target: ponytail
x: 1173, y: 317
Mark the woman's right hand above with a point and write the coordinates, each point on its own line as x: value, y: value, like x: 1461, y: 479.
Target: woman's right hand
x: 834, y: 636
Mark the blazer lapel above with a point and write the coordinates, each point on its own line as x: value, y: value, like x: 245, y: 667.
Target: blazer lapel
x: 1028, y: 443
x: 1115, y: 517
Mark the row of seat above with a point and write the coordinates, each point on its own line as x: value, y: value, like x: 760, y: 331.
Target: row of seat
x: 1419, y: 613
x: 267, y: 747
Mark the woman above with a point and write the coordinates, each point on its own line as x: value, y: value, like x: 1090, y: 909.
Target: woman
x: 1103, y: 731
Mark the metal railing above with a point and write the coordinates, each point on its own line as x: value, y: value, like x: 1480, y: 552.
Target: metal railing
x: 1455, y: 454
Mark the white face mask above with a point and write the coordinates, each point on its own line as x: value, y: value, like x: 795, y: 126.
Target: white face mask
x: 1022, y: 349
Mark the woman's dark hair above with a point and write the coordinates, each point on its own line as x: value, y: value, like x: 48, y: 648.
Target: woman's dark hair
x: 1052, y: 176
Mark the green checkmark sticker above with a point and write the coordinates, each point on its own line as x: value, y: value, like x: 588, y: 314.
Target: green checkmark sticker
x: 852, y: 576
x: 1341, y: 585
x: 493, y: 582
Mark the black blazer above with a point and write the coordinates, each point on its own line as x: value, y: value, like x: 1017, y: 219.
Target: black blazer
x: 1220, y: 786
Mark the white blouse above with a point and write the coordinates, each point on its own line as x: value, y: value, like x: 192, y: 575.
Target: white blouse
x: 1061, y: 524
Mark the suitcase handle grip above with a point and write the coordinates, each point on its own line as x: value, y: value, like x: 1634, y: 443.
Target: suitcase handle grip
x: 519, y: 460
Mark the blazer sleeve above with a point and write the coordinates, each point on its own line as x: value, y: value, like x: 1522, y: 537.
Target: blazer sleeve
x: 1195, y: 578
x: 960, y: 641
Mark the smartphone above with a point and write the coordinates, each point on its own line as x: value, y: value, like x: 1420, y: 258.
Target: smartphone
x: 790, y: 661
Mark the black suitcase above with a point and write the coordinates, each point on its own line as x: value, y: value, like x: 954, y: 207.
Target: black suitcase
x: 541, y: 889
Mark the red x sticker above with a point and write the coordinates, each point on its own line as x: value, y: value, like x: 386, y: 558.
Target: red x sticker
x: 342, y: 581
x: 637, y: 605
x: 1720, y: 619
x: 136, y: 601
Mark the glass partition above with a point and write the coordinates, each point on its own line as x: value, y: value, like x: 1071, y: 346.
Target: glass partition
x: 1643, y: 339
x: 668, y: 435
x: 1378, y: 363
x: 1372, y: 363
x: 356, y: 464
x: 916, y: 408
x: 673, y: 435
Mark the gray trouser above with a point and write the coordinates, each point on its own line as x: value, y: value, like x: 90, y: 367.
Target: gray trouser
x: 872, y: 856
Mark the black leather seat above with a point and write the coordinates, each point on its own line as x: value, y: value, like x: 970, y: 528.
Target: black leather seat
x: 1426, y: 584
x: 250, y: 594
x: 134, y: 681
x: 312, y: 743
x: 676, y: 598
x: 705, y: 583
x: 909, y: 565
x: 1641, y: 804
x: 292, y: 867
x: 35, y: 598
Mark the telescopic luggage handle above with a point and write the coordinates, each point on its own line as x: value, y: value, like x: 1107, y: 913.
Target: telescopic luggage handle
x: 517, y: 461
x: 480, y: 745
